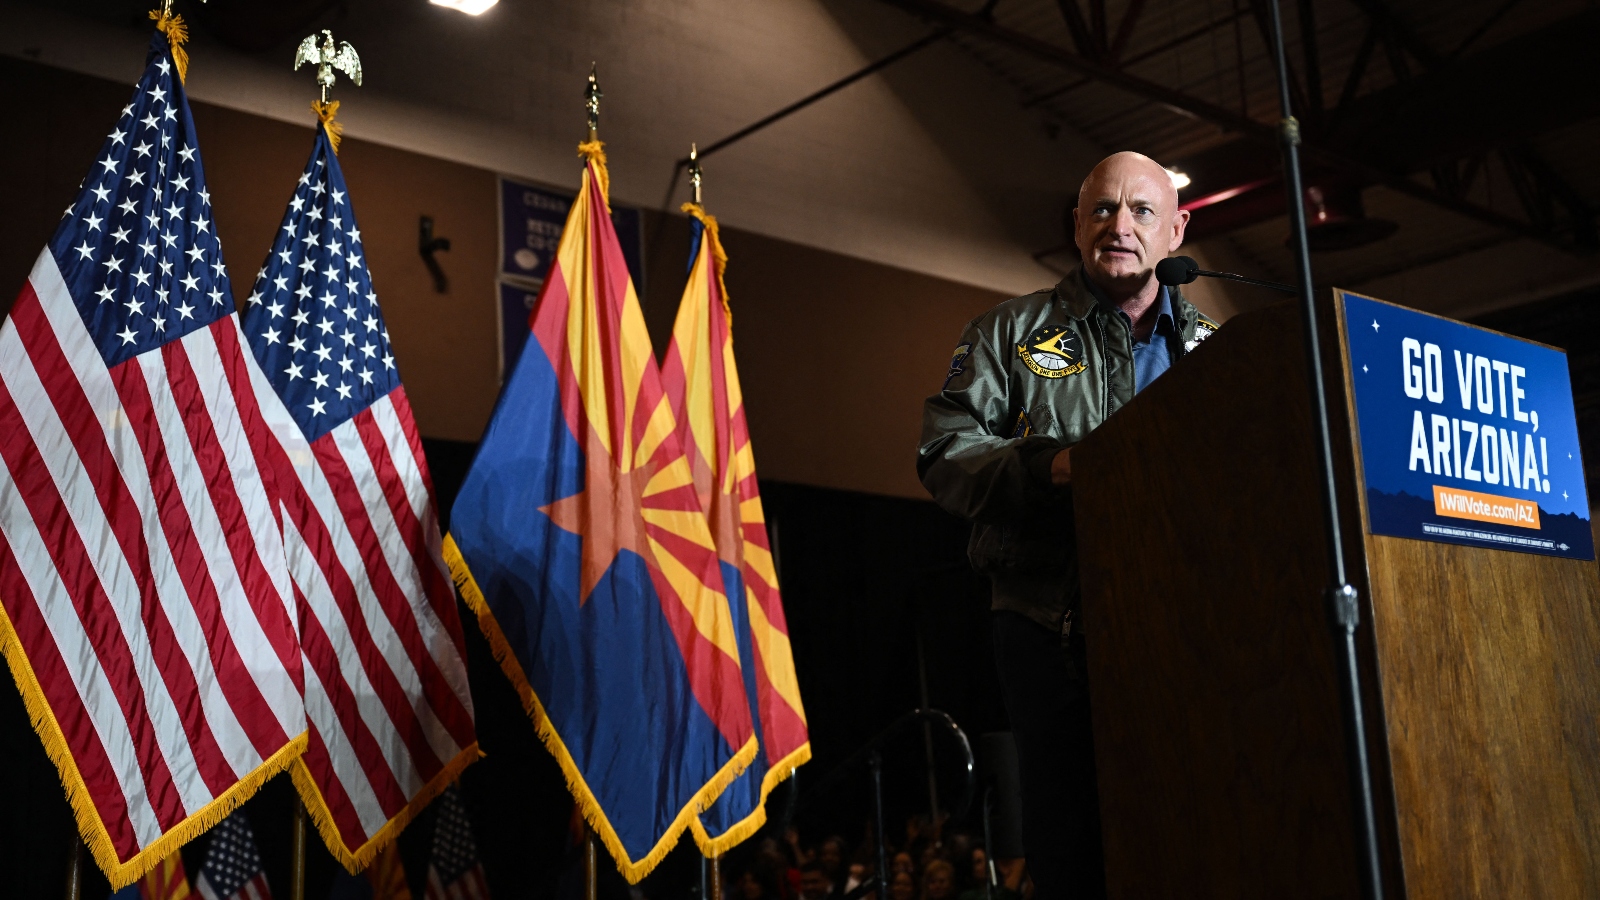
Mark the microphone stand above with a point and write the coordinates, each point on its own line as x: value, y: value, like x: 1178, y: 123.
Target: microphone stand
x: 1341, y: 597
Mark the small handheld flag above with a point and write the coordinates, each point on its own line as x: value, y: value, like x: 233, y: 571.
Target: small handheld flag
x: 454, y: 872
x: 167, y: 881
x: 232, y: 869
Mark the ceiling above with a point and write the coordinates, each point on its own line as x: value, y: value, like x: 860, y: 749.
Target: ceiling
x: 1474, y: 125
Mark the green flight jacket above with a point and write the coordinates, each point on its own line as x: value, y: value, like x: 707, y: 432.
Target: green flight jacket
x: 1033, y: 375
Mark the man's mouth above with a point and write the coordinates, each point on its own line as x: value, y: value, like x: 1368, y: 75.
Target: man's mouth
x: 1105, y: 251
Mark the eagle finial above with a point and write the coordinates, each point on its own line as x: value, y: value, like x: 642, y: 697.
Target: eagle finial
x: 326, y: 58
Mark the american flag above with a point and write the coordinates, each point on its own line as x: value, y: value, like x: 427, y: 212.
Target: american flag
x: 147, y: 602
x: 454, y: 872
x: 232, y: 870
x: 386, y: 683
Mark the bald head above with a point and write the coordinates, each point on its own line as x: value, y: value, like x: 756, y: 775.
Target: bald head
x: 1126, y: 221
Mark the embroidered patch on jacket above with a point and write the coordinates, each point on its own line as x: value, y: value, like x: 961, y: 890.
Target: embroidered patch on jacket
x: 956, y: 359
x: 1024, y: 426
x: 1202, y: 329
x: 1054, y: 351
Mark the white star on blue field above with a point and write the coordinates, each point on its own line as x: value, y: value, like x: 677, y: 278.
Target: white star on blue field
x: 312, y: 318
x: 137, y: 249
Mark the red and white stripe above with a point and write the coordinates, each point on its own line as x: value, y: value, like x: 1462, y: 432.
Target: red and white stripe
x: 386, y: 682
x: 470, y: 886
x: 141, y: 562
x: 254, y: 889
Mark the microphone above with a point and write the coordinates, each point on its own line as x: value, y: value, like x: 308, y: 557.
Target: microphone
x: 1176, y: 270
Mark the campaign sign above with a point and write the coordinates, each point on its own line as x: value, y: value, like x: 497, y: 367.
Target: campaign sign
x: 531, y: 221
x: 1467, y: 436
x: 516, y: 308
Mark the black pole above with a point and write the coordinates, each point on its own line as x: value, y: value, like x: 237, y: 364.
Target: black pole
x: 1343, y: 610
x: 875, y: 763
x: 989, y: 879
x: 75, y: 868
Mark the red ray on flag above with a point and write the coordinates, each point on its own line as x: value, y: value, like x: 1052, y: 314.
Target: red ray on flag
x: 580, y: 542
x: 701, y: 378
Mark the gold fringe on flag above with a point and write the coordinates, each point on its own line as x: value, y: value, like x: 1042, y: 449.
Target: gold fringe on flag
x: 325, y: 113
x: 714, y: 238
x: 595, y: 152
x: 177, y: 33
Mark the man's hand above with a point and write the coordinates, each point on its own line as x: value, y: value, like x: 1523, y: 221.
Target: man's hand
x: 1061, y: 468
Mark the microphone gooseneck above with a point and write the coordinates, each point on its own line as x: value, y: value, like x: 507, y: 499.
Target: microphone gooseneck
x: 1176, y: 270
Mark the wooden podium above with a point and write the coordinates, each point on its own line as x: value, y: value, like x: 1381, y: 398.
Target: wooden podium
x: 1219, y: 735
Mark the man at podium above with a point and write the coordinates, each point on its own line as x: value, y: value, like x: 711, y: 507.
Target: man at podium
x: 1030, y: 378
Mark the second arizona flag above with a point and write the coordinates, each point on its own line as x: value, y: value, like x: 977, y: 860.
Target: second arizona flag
x: 579, y: 540
x: 702, y: 381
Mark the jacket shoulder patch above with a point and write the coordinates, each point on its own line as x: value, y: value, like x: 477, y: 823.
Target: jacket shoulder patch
x: 956, y: 359
x: 1203, y: 329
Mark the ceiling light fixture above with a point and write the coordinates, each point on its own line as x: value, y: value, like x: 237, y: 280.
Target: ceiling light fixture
x: 470, y: 7
x: 1179, y: 180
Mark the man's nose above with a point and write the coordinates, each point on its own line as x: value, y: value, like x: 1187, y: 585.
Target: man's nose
x: 1123, y: 223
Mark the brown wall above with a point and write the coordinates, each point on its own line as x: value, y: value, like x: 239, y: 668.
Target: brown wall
x: 836, y: 353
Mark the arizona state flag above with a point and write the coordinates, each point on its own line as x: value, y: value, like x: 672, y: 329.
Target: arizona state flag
x: 578, y: 539
x: 702, y: 381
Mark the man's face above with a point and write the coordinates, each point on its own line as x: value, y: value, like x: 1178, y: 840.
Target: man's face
x: 1127, y: 220
x: 814, y: 885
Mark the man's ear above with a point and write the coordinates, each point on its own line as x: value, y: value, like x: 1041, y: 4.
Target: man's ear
x: 1179, y: 223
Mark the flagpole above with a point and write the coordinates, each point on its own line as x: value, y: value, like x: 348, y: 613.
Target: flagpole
x: 591, y: 866
x: 297, y: 852
x: 714, y: 887
x: 75, y: 868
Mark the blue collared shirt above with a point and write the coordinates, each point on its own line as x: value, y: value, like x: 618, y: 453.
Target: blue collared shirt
x: 1152, y: 356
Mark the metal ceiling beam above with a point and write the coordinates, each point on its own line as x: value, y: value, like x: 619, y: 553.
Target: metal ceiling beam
x: 1379, y: 12
x: 1226, y: 119
x: 1044, y: 51
x: 1130, y: 18
x: 1143, y: 55
x: 1082, y: 38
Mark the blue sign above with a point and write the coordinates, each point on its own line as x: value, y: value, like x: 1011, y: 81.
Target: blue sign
x: 516, y: 308
x: 1467, y: 436
x: 531, y: 221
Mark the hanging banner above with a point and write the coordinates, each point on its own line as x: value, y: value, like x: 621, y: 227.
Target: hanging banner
x: 1467, y: 436
x: 531, y: 219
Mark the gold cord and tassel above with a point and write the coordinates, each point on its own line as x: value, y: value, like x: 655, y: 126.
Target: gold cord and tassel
x: 594, y: 151
x: 719, y: 256
x: 177, y: 33
x: 325, y: 113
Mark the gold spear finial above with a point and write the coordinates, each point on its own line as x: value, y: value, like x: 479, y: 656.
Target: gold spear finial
x: 694, y: 171
x: 591, y: 101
